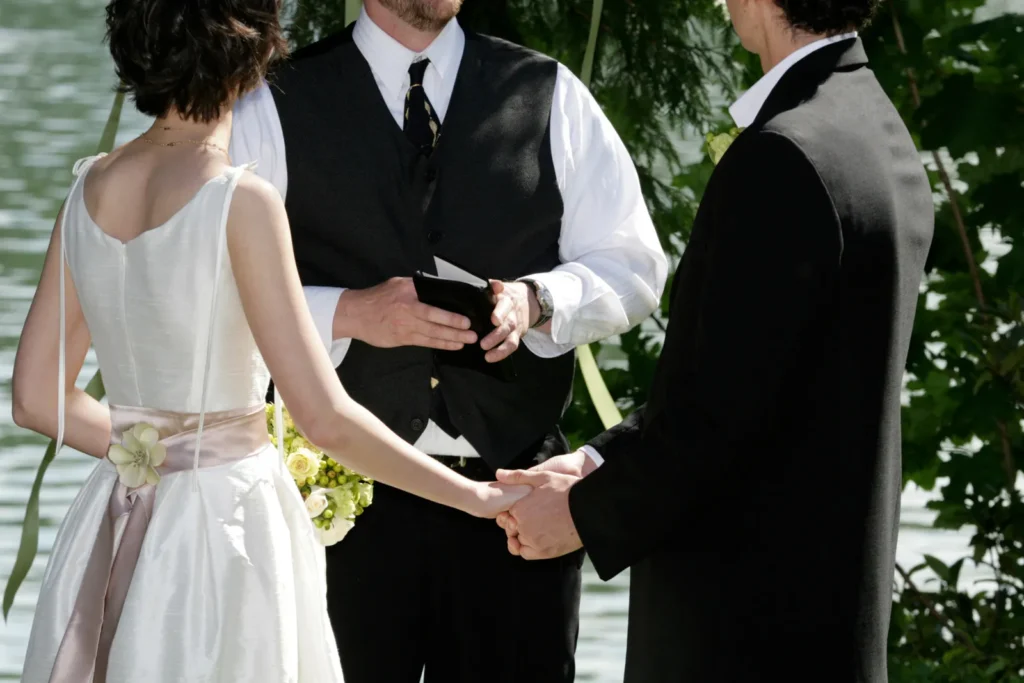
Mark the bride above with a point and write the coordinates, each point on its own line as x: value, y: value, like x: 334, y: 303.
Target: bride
x: 192, y: 557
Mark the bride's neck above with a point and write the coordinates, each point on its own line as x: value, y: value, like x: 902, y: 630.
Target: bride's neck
x: 174, y: 126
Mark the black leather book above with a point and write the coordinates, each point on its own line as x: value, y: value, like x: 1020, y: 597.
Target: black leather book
x: 459, y: 291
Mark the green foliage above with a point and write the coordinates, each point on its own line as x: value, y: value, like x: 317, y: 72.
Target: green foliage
x: 957, y: 82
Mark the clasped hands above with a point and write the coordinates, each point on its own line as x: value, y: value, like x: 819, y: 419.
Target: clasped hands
x: 540, y: 526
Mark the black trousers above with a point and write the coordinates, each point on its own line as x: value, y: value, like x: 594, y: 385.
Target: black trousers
x: 417, y: 587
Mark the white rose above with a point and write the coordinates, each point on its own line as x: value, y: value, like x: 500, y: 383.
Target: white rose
x: 316, y: 503
x: 303, y: 464
x: 338, y: 530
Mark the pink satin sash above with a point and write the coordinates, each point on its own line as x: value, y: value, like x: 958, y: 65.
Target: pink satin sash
x: 227, y: 437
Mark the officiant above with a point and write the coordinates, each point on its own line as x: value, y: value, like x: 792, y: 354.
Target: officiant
x: 406, y: 138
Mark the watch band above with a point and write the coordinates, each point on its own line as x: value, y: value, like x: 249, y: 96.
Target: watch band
x: 544, y: 302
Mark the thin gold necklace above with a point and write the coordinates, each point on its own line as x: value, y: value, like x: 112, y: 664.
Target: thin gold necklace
x: 198, y: 143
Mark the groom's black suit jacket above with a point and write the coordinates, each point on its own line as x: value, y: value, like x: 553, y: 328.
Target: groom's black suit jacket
x: 757, y: 494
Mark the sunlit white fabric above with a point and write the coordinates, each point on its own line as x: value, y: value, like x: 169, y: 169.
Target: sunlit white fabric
x: 230, y: 582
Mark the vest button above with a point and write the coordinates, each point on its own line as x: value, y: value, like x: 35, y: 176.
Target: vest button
x: 417, y: 425
x: 430, y: 175
x: 434, y: 236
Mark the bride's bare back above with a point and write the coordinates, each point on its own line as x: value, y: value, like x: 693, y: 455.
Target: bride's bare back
x: 142, y: 186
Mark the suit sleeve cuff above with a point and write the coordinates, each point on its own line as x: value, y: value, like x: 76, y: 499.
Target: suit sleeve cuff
x: 594, y: 524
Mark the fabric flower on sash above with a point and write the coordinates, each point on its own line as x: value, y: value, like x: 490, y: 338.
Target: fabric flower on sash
x: 138, y: 455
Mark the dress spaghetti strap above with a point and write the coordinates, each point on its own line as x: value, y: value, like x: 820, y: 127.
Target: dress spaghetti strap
x: 80, y: 169
x: 234, y: 175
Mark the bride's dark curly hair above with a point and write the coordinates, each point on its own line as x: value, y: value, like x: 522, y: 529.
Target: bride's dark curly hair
x: 828, y: 17
x: 192, y: 56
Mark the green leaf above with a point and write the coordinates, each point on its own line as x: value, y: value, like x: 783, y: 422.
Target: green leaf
x: 598, y: 390
x: 599, y: 394
x: 954, y: 573
x: 937, y: 566
x: 29, y: 545
x: 588, y: 57
x: 996, y: 667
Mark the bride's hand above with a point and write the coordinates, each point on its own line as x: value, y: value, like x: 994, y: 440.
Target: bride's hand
x: 493, y: 498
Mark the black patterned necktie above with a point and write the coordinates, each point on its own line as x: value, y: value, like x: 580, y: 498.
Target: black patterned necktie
x: 422, y: 126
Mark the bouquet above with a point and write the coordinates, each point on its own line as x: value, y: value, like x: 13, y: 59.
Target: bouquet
x: 334, y: 495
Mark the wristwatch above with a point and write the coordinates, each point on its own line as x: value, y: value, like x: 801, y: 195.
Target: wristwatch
x: 544, y: 301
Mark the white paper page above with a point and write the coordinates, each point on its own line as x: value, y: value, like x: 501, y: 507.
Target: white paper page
x: 447, y: 271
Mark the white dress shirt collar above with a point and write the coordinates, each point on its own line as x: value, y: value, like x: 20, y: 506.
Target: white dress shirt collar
x: 746, y: 109
x: 390, y: 60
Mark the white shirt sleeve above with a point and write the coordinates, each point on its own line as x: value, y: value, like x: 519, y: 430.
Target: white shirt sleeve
x: 322, y: 302
x: 256, y: 135
x: 613, y: 268
x: 593, y: 455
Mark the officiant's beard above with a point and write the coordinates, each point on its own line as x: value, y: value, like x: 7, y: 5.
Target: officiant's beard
x: 424, y: 15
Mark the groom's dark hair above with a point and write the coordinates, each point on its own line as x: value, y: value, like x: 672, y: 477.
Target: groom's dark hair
x: 828, y: 17
x: 192, y: 56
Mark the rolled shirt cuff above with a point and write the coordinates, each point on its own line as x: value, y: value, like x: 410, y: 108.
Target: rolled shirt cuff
x: 566, y: 291
x: 323, y: 302
x: 593, y: 455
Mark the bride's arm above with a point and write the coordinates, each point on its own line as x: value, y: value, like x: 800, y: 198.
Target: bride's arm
x: 260, y: 247
x: 34, y: 384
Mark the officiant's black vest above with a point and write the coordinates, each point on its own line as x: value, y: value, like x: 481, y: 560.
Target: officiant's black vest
x: 366, y: 206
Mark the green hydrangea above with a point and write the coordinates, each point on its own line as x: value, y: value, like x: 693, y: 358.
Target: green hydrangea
x: 348, y: 493
x: 719, y: 143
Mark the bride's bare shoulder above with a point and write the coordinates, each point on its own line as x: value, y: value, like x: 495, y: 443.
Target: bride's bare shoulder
x: 257, y: 208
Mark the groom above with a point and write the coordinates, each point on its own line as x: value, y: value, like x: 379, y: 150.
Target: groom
x: 756, y: 495
x: 402, y: 139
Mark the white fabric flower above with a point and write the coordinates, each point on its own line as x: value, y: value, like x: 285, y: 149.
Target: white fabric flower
x: 316, y: 503
x: 303, y: 464
x: 138, y: 455
x: 336, y: 532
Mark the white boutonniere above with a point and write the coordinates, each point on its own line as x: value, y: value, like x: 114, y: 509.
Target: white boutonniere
x: 719, y: 143
x: 138, y: 455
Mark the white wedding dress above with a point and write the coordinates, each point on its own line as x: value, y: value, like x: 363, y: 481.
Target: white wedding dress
x: 229, y: 584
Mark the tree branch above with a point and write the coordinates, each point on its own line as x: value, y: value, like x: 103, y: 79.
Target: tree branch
x: 933, y: 610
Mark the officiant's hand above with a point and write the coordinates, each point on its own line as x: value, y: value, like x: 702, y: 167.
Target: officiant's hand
x: 515, y: 310
x: 540, y: 526
x: 391, y: 315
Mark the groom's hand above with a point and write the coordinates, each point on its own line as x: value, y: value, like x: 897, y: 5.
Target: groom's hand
x: 391, y: 315
x: 515, y: 310
x: 540, y: 525
x: 576, y: 464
